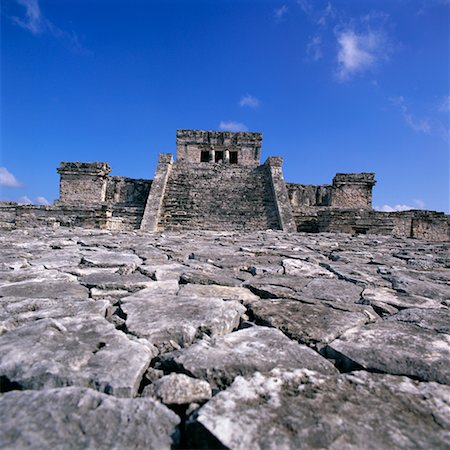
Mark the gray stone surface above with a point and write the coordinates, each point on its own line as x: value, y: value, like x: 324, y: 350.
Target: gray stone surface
x: 76, y: 418
x: 303, y: 409
x: 313, y: 324
x: 171, y: 322
x: 109, y: 310
x: 243, y: 352
x: 81, y: 351
x: 395, y: 347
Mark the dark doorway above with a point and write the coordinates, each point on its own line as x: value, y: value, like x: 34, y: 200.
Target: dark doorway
x: 233, y: 158
x: 204, y: 156
x: 219, y: 156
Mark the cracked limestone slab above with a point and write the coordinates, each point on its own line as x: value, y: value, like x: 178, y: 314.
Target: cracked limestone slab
x: 241, y: 294
x: 303, y: 409
x: 43, y: 288
x: 243, y: 352
x: 78, y: 418
x: 17, y: 311
x: 78, y: 351
x: 170, y: 322
x: 305, y: 269
x: 115, y: 281
x: 313, y: 324
x: 377, y: 295
x: 104, y: 258
x: 395, y: 347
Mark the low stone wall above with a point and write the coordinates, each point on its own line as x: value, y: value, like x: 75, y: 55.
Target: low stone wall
x: 127, y: 191
x: 109, y: 217
x: 306, y: 195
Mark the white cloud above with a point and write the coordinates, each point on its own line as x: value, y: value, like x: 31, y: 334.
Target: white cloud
x: 232, y: 126
x: 41, y: 201
x: 314, y: 48
x: 280, y: 12
x: 24, y: 200
x: 417, y: 125
x: 419, y: 204
x: 444, y: 105
x: 36, y: 23
x: 250, y: 101
x: 7, y: 179
x: 358, y: 53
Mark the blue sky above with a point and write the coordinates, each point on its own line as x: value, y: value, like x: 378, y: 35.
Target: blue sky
x: 335, y: 86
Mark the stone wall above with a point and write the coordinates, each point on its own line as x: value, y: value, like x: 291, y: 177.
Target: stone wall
x: 219, y: 146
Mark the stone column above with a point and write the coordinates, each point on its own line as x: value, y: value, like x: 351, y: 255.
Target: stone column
x: 226, y: 156
x: 212, y: 155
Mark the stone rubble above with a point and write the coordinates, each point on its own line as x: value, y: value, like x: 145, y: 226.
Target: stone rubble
x: 223, y: 340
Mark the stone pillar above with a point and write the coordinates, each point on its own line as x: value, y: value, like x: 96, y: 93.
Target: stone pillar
x: 156, y: 195
x: 280, y: 192
x: 83, y: 183
x: 212, y: 155
x: 226, y: 156
x: 352, y: 190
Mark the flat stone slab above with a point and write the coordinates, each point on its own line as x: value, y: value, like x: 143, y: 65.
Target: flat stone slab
x: 107, y: 281
x: 76, y: 418
x: 305, y: 269
x: 172, y: 322
x: 312, y: 324
x: 16, y: 311
x: 395, y: 347
x: 243, y: 352
x: 241, y: 294
x: 80, y: 351
x: 44, y: 289
x: 103, y: 258
x: 303, y: 409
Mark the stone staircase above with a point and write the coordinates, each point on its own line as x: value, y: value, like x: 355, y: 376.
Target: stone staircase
x: 218, y: 197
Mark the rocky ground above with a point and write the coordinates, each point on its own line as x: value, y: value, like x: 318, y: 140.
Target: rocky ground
x: 203, y: 340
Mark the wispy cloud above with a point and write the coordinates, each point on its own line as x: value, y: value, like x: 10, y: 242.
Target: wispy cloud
x: 444, y: 105
x: 419, y: 204
x: 306, y: 6
x: 417, y: 125
x: 358, y: 52
x: 36, y: 23
x: 232, y: 126
x: 250, y: 101
x: 329, y: 13
x: 314, y: 48
x: 42, y: 201
x: 280, y: 12
x: 33, y: 21
x: 24, y: 200
x: 7, y: 179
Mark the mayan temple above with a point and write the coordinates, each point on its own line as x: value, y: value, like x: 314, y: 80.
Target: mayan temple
x: 217, y: 182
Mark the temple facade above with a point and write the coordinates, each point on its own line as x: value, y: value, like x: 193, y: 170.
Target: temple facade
x: 217, y: 182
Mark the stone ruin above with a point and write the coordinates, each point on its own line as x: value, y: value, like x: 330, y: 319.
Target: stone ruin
x: 218, y: 183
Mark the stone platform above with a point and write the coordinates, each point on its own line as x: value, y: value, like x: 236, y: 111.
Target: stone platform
x: 223, y: 340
